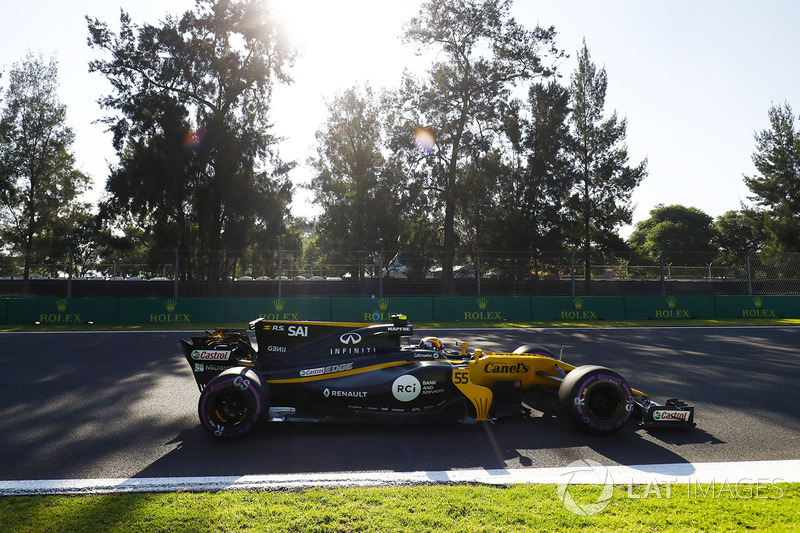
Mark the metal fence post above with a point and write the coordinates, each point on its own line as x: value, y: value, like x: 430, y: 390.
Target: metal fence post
x: 69, y: 271
x: 661, y: 269
x: 572, y: 272
x: 749, y: 274
x: 177, y: 274
x: 280, y: 272
x: 478, y: 271
x: 380, y: 274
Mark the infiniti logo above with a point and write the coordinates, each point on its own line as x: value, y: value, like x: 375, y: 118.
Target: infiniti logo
x: 350, y: 338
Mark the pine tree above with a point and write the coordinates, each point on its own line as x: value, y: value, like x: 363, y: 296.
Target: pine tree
x: 604, y: 182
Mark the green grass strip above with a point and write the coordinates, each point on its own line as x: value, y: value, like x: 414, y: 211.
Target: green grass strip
x: 419, y: 509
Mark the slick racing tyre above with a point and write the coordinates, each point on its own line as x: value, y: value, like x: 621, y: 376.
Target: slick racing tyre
x: 596, y: 399
x: 232, y: 403
x: 535, y: 349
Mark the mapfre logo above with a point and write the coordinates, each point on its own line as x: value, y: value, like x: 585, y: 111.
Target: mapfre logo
x: 350, y: 338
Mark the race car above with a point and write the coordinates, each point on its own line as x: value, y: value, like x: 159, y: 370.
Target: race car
x: 331, y: 371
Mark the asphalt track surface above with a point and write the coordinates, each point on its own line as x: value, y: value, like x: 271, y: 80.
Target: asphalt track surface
x: 124, y: 405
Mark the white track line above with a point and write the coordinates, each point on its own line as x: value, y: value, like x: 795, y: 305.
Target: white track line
x: 757, y: 472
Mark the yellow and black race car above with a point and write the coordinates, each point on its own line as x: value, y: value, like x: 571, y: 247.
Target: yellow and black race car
x: 329, y: 371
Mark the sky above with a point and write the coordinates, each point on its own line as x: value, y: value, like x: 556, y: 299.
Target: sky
x: 694, y: 79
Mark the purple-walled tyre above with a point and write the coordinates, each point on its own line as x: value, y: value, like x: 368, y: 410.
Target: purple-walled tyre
x: 233, y: 403
x: 596, y: 399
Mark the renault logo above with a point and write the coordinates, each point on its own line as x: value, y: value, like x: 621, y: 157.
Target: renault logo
x: 350, y: 338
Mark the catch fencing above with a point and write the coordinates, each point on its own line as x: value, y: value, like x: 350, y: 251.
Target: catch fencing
x: 287, y: 273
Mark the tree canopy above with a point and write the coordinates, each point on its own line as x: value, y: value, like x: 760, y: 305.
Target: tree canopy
x: 193, y: 100
x: 776, y: 187
x: 39, y: 184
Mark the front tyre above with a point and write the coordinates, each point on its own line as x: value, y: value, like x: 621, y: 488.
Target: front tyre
x: 596, y: 399
x: 232, y: 403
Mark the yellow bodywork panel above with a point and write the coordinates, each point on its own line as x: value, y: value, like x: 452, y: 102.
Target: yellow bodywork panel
x: 476, y: 380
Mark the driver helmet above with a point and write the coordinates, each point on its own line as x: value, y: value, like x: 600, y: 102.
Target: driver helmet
x: 431, y: 343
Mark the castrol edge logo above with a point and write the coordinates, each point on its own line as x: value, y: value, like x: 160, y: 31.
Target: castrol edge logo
x: 682, y: 416
x: 211, y: 355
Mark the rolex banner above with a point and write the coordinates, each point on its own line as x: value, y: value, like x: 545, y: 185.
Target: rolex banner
x: 62, y: 311
x: 248, y: 309
x: 166, y: 311
x: 380, y: 310
x: 581, y: 309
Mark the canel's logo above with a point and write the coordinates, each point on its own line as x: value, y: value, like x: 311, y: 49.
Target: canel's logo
x: 350, y: 338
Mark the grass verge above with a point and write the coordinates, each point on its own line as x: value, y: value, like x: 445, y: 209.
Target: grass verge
x: 418, y: 509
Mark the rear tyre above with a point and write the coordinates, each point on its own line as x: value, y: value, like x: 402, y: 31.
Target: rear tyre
x: 233, y: 403
x: 596, y: 399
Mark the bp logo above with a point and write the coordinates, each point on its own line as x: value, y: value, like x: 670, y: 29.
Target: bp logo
x: 406, y: 388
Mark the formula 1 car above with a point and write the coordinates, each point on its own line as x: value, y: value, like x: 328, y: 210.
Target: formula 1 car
x: 327, y: 371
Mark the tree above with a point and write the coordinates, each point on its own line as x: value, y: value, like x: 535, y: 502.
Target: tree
x: 604, y: 182
x: 535, y: 192
x: 675, y: 229
x: 39, y: 183
x: 361, y: 202
x: 210, y: 73
x: 736, y: 237
x: 776, y: 187
x: 481, y: 54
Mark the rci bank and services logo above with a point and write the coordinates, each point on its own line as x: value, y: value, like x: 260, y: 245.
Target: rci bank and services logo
x: 170, y: 316
x: 278, y: 305
x: 382, y: 314
x: 61, y: 316
x: 585, y: 472
x: 759, y: 311
x: 483, y: 313
x: 579, y: 313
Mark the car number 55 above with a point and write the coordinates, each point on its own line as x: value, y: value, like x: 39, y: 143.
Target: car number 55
x: 461, y: 376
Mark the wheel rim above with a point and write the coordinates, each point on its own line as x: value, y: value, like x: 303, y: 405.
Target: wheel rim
x: 603, y: 402
x: 230, y: 408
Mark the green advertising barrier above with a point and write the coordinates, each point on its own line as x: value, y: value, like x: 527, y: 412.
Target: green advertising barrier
x: 757, y: 306
x: 482, y: 308
x: 249, y: 309
x: 380, y: 310
x: 669, y: 307
x: 577, y: 309
x: 164, y: 311
x: 62, y: 311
